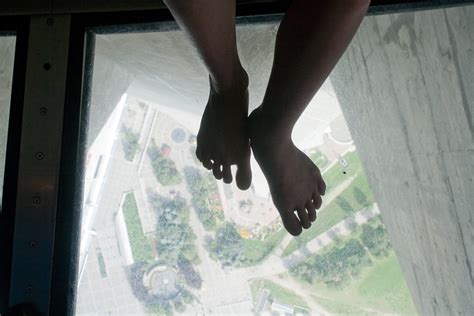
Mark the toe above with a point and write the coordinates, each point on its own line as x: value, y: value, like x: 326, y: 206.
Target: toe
x: 243, y: 176
x: 207, y: 163
x: 321, y: 186
x: 203, y: 158
x: 303, y: 216
x: 311, y: 211
x: 317, y: 201
x: 291, y: 223
x: 227, y: 173
x: 216, y: 170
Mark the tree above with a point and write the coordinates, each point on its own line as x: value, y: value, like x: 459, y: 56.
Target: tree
x: 130, y: 143
x: 227, y: 245
x: 334, y: 266
x: 202, y: 188
x: 164, y: 168
x: 375, y: 239
x: 174, y: 237
x: 344, y: 205
x: 135, y: 276
x: 190, y: 275
x: 360, y: 197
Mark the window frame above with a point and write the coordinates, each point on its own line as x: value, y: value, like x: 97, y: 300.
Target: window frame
x: 12, y: 26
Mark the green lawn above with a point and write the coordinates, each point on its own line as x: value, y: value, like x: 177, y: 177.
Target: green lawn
x: 380, y: 287
x: 277, y: 292
x: 255, y: 250
x: 141, y: 247
x: 338, y: 307
x: 102, y: 268
x: 335, y: 175
x: 332, y: 214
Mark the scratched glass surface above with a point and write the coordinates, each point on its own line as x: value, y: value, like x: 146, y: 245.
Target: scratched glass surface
x: 160, y: 235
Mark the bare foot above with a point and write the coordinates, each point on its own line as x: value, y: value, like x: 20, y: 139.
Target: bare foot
x: 223, y: 140
x: 295, y: 182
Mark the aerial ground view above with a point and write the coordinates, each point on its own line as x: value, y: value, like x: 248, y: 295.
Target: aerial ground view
x: 170, y: 239
x: 161, y: 236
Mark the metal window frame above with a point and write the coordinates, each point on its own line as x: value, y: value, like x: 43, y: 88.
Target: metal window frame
x: 17, y: 26
x: 66, y: 221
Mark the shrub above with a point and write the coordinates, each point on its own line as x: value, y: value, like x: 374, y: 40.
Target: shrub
x: 360, y: 197
x: 202, y: 189
x: 376, y: 240
x: 344, y: 205
x: 164, y: 168
x: 129, y: 143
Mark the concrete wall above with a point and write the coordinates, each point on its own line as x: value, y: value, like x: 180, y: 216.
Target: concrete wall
x: 406, y: 89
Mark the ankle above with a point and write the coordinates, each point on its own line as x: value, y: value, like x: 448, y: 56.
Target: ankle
x: 266, y: 130
x: 236, y: 81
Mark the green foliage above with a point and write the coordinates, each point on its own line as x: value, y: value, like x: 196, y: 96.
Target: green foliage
x: 159, y: 308
x: 361, y: 197
x: 174, y: 236
x: 205, y: 198
x: 344, y: 205
x: 190, y: 275
x: 129, y: 143
x: 227, y: 247
x: 334, y: 267
x: 102, y: 268
x: 164, y: 168
x: 141, y: 248
x: 376, y: 240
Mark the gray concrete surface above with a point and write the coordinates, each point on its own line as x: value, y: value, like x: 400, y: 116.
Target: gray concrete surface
x: 405, y: 87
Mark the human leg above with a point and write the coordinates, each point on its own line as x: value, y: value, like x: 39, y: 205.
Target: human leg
x: 222, y: 138
x: 312, y: 37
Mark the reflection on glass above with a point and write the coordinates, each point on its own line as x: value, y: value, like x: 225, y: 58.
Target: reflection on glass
x: 7, y: 54
x: 160, y: 235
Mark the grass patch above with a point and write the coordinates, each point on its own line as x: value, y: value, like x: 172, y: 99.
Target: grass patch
x: 277, y: 292
x: 141, y: 247
x: 335, y: 175
x: 338, y: 307
x: 384, y: 287
x: 380, y: 288
x: 332, y: 214
x: 255, y: 250
x: 102, y: 268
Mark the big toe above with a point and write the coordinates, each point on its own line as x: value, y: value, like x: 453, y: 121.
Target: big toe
x: 291, y: 223
x: 243, y: 176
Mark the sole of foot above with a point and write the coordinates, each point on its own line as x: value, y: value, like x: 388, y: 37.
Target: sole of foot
x: 295, y: 182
